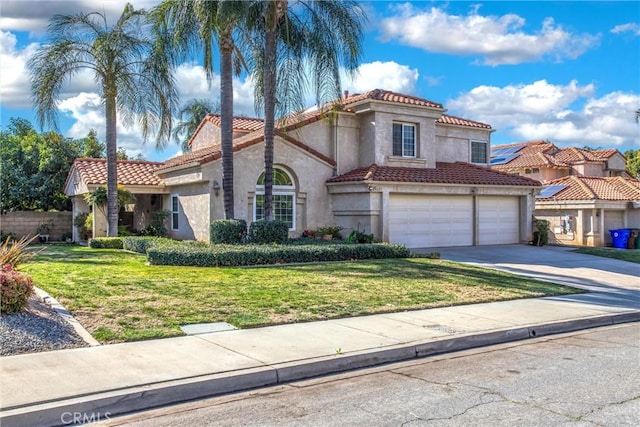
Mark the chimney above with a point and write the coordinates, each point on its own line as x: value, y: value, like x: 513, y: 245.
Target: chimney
x: 346, y: 94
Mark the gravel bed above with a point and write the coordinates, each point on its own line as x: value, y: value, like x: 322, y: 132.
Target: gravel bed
x: 37, y: 328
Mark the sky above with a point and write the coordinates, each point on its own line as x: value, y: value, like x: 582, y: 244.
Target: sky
x: 567, y: 72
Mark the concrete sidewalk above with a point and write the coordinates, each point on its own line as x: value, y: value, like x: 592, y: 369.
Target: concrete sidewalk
x: 91, y: 383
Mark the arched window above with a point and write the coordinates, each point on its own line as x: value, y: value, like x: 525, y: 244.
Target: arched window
x: 283, y: 202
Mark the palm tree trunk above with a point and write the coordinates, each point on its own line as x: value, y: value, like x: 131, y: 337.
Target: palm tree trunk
x: 112, y: 166
x: 269, y: 77
x: 226, y: 120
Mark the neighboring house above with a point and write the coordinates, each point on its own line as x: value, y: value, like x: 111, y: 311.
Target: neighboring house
x: 380, y: 162
x: 138, y: 177
x: 544, y: 161
x: 586, y: 193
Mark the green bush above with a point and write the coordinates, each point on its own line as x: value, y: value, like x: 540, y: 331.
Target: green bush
x: 230, y: 231
x: 140, y: 244
x: 15, y: 252
x: 541, y: 233
x: 357, y: 236
x: 15, y: 290
x: 156, y: 227
x: 243, y: 255
x: 262, y: 232
x: 106, y: 243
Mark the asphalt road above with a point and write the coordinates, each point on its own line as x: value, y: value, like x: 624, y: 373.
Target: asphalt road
x: 587, y: 378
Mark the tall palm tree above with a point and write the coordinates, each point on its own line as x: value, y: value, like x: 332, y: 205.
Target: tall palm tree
x: 193, y: 25
x: 321, y: 34
x: 134, y: 73
x: 190, y: 116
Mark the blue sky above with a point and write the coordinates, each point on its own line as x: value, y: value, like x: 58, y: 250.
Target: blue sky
x: 568, y: 72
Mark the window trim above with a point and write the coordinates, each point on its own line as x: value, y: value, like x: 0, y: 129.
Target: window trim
x: 402, y: 146
x: 486, y: 155
x: 175, y: 213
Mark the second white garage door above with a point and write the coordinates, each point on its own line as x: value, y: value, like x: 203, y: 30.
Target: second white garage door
x: 419, y: 221
x: 499, y: 220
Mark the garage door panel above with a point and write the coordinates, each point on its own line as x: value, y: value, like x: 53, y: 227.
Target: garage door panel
x: 499, y: 220
x: 429, y: 221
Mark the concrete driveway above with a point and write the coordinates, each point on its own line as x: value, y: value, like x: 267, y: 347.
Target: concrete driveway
x: 612, y: 281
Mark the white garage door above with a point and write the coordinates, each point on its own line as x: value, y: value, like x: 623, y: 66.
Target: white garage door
x: 499, y: 220
x: 429, y: 221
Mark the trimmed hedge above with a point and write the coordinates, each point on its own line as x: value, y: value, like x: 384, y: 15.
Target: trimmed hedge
x: 229, y: 231
x: 140, y: 244
x: 261, y: 232
x: 232, y: 256
x: 105, y: 243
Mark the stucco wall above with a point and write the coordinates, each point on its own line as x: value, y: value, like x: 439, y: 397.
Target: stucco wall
x: 207, y: 136
x: 453, y: 143
x: 25, y: 223
x: 193, y: 213
x: 590, y: 169
x: 367, y: 139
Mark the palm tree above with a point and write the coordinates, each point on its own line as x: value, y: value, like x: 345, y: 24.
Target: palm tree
x: 193, y: 25
x: 134, y: 73
x: 191, y: 115
x: 322, y: 34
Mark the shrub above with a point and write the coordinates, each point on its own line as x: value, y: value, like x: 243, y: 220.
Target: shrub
x: 261, y: 232
x: 106, y: 243
x: 15, y: 290
x: 15, y: 252
x: 80, y: 222
x: 140, y: 244
x: 229, y: 231
x: 229, y: 256
x: 156, y: 227
x: 430, y: 255
x: 541, y: 233
x: 357, y: 236
x: 333, y: 230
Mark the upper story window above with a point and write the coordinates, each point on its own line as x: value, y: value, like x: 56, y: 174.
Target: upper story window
x: 478, y: 152
x: 404, y: 140
x: 283, y: 198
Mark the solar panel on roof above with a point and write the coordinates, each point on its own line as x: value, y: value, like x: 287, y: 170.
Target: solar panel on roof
x: 550, y: 191
x: 502, y: 159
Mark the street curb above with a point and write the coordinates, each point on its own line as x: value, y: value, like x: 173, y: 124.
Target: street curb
x: 102, y: 406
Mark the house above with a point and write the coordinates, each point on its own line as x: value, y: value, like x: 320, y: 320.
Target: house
x: 139, y: 177
x: 544, y: 161
x: 586, y: 193
x: 380, y: 162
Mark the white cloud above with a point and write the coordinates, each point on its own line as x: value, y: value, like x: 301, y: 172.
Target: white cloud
x: 15, y: 89
x: 632, y: 28
x: 566, y: 114
x: 33, y: 15
x: 382, y: 75
x: 497, y: 39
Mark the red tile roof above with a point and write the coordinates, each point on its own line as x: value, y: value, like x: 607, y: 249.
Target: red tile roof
x: 248, y: 124
x: 214, y: 152
x: 385, y: 95
x: 130, y: 172
x: 444, y: 173
x: 547, y: 154
x: 452, y: 120
x: 581, y: 188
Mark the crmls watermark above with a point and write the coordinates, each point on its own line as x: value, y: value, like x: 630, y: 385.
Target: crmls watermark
x: 84, y: 417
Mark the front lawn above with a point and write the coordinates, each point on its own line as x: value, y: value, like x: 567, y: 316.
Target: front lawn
x: 117, y: 297
x: 631, y: 255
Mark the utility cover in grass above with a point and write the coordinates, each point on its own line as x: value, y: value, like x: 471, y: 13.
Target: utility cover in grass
x: 205, y: 328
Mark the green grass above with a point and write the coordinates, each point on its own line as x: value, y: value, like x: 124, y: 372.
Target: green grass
x: 117, y: 297
x: 631, y: 255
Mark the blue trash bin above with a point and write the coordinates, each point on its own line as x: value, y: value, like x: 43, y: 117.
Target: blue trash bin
x: 620, y: 237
